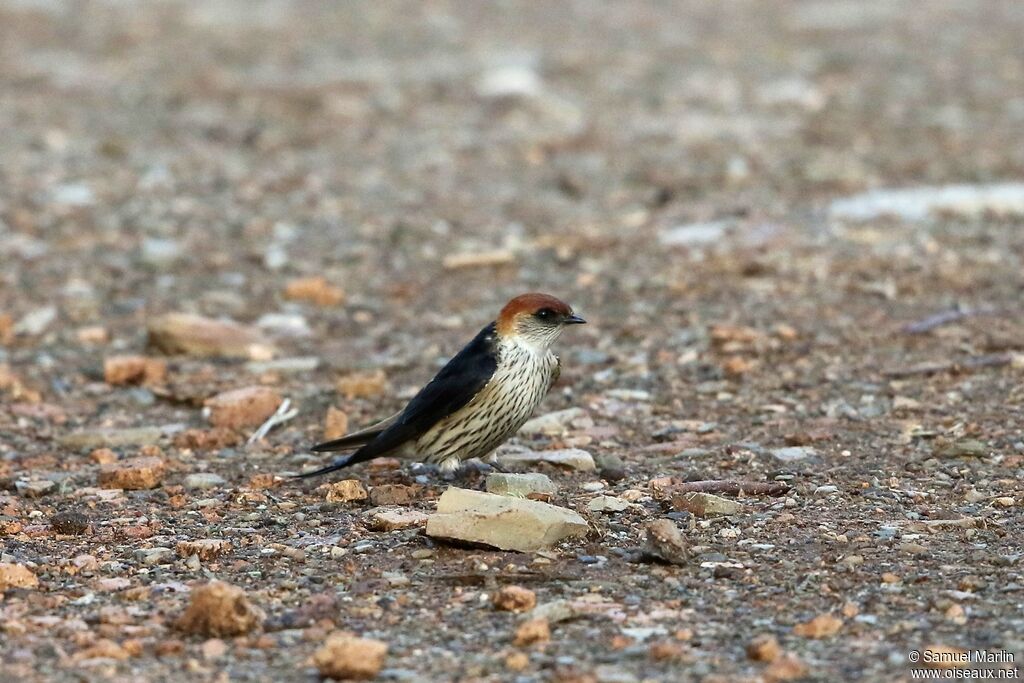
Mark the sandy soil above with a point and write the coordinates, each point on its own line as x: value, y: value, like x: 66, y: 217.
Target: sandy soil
x: 676, y: 170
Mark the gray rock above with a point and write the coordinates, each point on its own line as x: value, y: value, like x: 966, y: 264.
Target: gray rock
x: 666, y: 542
x: 792, y: 92
x: 974, y: 496
x: 793, y: 453
x: 610, y: 466
x: 73, y: 194
x: 920, y: 203
x: 629, y: 395
x: 963, y: 448
x: 285, y: 325
x: 159, y: 252
x: 555, y: 611
x: 694, y: 234
x: 512, y: 81
x: 607, y: 504
x: 36, y: 321
x: 591, y: 357
x: 395, y: 519
x: 203, y: 480
x: 141, y: 396
x: 573, y: 458
x: 705, y: 504
x: 519, y: 485
x: 503, y: 522
x: 153, y: 556
x: 156, y: 177
x: 275, y: 257
x: 34, y: 488
x: 642, y: 633
x: 202, y: 337
x: 609, y: 673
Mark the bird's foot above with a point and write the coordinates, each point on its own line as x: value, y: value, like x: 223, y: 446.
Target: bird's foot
x: 425, y: 473
x: 472, y: 469
x: 452, y: 469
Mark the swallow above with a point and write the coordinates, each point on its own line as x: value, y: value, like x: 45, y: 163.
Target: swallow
x: 479, y: 399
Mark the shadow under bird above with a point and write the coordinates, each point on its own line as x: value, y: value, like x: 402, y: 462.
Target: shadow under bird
x: 479, y: 399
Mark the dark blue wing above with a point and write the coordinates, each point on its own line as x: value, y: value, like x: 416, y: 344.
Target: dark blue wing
x: 452, y: 388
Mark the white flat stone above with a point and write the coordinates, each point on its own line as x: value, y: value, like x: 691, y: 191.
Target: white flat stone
x: 502, y: 522
x: 519, y: 485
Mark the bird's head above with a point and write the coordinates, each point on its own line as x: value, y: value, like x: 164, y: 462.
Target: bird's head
x: 536, y: 319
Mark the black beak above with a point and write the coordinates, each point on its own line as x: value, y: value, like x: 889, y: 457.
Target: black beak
x: 574, y: 320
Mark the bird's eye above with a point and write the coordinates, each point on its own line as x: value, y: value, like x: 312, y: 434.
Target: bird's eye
x: 545, y: 314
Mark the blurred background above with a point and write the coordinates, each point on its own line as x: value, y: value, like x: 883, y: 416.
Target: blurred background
x: 434, y: 158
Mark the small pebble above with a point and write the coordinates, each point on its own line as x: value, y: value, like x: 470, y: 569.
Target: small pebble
x: 203, y: 480
x: 69, y: 522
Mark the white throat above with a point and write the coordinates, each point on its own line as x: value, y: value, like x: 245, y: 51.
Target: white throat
x: 537, y: 346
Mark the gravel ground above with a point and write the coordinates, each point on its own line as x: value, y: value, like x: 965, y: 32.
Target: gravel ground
x: 712, y: 185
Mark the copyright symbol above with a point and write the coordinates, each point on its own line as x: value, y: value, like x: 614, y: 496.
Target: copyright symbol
x: 914, y: 656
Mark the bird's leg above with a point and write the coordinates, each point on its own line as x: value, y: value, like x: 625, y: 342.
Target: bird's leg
x: 450, y: 467
x: 424, y: 468
x: 492, y: 461
x: 474, y: 468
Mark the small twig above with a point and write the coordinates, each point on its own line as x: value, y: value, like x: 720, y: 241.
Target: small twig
x: 992, y: 361
x: 280, y: 416
x: 733, y: 488
x: 944, y: 318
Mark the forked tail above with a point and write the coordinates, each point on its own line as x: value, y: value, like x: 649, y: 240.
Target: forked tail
x: 338, y: 464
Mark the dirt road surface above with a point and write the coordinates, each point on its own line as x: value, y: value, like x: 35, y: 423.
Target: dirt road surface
x: 796, y: 230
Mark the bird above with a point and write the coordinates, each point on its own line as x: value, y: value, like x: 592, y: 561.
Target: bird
x: 480, y: 398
